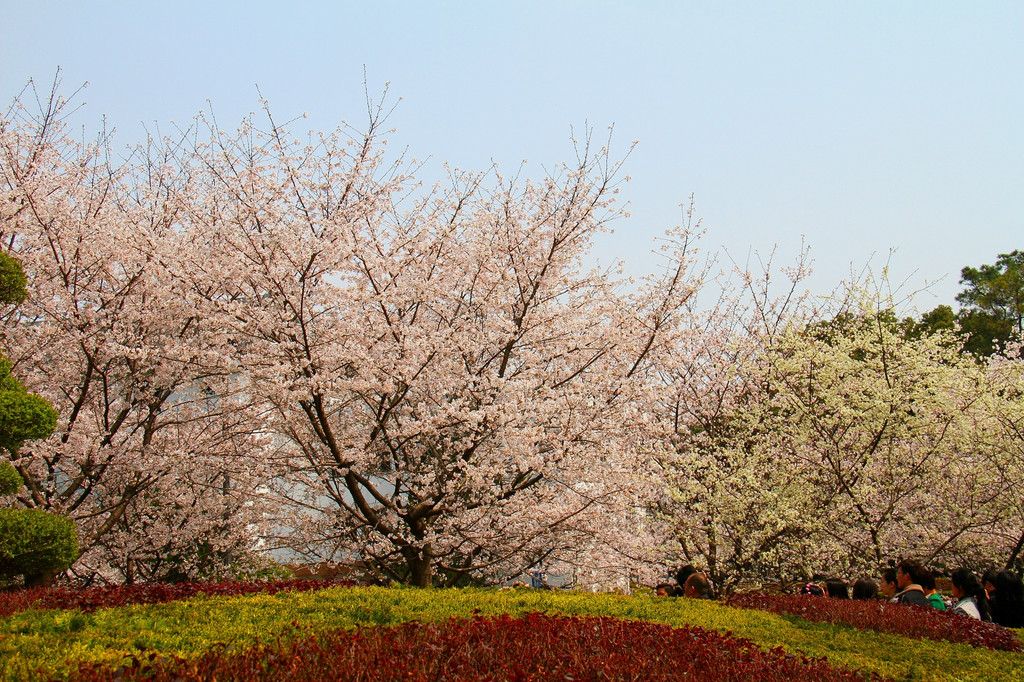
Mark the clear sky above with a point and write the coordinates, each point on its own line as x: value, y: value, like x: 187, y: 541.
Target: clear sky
x: 859, y: 127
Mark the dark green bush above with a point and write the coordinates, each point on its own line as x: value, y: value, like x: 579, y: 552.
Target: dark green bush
x: 12, y: 280
x: 35, y: 544
x: 23, y: 415
x: 10, y: 480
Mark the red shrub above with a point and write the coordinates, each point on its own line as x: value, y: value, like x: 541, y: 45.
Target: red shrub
x: 917, y: 622
x: 535, y: 647
x: 93, y: 598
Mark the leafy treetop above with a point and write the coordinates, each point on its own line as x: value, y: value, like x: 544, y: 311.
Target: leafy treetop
x: 12, y: 280
x: 992, y: 307
x: 996, y: 289
x: 23, y: 416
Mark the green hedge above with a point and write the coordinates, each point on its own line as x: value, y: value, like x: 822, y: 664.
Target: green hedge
x: 10, y: 479
x: 35, y: 543
x: 23, y: 416
x: 35, y: 640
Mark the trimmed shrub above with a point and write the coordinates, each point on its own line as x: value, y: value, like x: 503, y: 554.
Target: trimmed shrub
x: 10, y: 479
x: 23, y: 416
x: 35, y: 544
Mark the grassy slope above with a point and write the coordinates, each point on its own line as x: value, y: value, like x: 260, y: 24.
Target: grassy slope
x: 43, y: 639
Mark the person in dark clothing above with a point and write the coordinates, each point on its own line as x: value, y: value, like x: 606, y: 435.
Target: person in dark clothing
x: 888, y: 588
x: 1008, y: 605
x: 698, y: 587
x: 907, y: 581
x: 988, y: 581
x: 681, y: 576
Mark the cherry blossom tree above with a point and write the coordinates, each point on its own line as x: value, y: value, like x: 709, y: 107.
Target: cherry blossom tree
x: 151, y: 455
x: 886, y: 426
x: 1004, y: 406
x: 455, y: 394
x: 435, y: 384
x: 738, y: 508
x: 255, y: 343
x: 838, y: 445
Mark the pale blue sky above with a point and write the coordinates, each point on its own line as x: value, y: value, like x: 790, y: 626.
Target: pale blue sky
x: 858, y: 126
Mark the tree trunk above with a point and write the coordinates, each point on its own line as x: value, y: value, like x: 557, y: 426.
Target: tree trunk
x: 420, y: 566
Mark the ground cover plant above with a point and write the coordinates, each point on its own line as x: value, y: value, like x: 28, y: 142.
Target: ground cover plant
x: 532, y: 647
x: 900, y: 619
x: 51, y: 643
x: 92, y: 598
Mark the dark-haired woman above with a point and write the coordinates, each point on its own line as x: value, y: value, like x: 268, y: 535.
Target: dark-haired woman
x: 927, y: 581
x: 865, y: 589
x: 970, y: 596
x: 812, y: 589
x: 1008, y: 608
x: 836, y: 588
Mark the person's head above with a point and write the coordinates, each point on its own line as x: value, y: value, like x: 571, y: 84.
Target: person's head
x: 908, y: 572
x: 988, y: 580
x: 1010, y: 589
x: 836, y: 588
x: 665, y: 590
x: 683, y: 573
x: 889, y: 582
x: 813, y: 589
x: 926, y: 580
x: 865, y: 589
x: 966, y: 584
x: 697, y: 587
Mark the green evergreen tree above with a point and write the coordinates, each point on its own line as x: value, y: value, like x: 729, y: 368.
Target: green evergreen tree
x: 992, y: 307
x: 996, y: 291
x: 33, y: 543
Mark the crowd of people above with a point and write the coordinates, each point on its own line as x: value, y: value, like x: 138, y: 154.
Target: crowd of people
x: 998, y: 596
